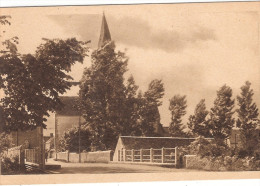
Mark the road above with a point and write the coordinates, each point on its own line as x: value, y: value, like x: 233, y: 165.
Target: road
x: 103, y: 168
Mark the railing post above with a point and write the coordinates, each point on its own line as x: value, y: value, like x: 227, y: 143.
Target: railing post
x: 124, y: 150
x: 141, y: 155
x: 162, y: 155
x: 68, y: 156
x: 151, y: 155
x: 176, y: 156
x: 133, y: 155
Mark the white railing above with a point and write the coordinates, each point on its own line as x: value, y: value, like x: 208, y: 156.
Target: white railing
x: 163, y: 155
x: 32, y: 156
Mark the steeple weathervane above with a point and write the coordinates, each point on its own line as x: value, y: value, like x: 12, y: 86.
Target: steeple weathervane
x: 104, y: 33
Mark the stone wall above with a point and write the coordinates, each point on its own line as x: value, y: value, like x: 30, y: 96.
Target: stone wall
x: 188, y: 161
x: 86, y: 157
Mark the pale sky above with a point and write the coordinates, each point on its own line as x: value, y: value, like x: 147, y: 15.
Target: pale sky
x: 193, y: 48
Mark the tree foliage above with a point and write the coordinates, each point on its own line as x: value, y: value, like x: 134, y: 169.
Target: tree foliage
x: 177, y: 107
x: 32, y: 82
x: 70, y: 140
x: 149, y: 103
x: 221, y: 120
x: 198, y: 122
x: 131, y: 125
x: 102, y: 94
x: 248, y: 118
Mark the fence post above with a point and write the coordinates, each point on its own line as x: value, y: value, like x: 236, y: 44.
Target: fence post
x: 151, y: 155
x: 176, y: 156
x: 133, y: 155
x: 141, y: 155
x: 124, y: 153
x: 68, y: 156
x: 162, y: 155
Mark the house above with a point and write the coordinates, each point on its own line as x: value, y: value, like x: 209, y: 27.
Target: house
x: 67, y: 117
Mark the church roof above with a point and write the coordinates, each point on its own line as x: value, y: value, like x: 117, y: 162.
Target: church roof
x: 69, y: 106
x: 134, y: 142
x: 104, y: 33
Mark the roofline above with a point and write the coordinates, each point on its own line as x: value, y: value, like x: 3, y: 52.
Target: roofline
x: 159, y: 137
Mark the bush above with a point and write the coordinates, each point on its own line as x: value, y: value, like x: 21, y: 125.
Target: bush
x: 10, y: 165
x: 226, y: 163
x: 70, y: 140
x: 207, y: 148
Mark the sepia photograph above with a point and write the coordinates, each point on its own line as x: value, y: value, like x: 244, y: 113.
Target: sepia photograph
x: 142, y: 92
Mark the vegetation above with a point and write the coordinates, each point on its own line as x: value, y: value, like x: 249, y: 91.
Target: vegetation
x: 10, y: 165
x: 70, y: 140
x: 198, y: 123
x: 32, y: 82
x: 177, y: 107
x: 221, y: 115
x: 247, y: 120
x: 112, y: 107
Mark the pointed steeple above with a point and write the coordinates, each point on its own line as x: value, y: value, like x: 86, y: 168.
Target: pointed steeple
x: 104, y: 33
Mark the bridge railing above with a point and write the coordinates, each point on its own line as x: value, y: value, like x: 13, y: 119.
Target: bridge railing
x: 163, y: 155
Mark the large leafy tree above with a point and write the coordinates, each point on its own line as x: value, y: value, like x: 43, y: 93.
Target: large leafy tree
x: 148, y: 110
x: 32, y: 82
x: 221, y: 115
x: 102, y: 94
x: 177, y: 107
x: 248, y: 118
x: 198, y: 122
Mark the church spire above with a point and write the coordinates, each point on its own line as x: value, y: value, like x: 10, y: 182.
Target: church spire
x: 104, y: 33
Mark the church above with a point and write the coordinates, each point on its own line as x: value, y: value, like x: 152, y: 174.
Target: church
x: 69, y: 117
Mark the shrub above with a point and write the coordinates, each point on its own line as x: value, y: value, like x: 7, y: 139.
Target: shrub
x: 70, y: 139
x: 10, y: 164
x: 226, y: 163
x: 207, y: 148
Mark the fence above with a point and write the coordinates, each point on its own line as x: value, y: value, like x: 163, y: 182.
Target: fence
x: 32, y: 156
x: 163, y: 155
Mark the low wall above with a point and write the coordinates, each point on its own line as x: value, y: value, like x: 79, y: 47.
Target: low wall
x: 74, y: 157
x: 99, y: 156
x: 91, y: 157
x: 188, y: 161
x: 63, y: 156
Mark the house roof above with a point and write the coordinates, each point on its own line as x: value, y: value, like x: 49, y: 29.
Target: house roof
x: 134, y: 142
x: 69, y: 106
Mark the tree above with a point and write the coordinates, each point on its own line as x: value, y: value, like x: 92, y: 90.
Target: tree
x: 221, y: 120
x: 198, y: 123
x: 70, y: 139
x: 149, y: 103
x: 177, y: 107
x: 248, y: 118
x: 102, y: 95
x: 132, y: 107
x: 32, y: 82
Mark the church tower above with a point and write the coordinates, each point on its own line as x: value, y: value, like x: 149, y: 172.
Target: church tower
x: 104, y: 33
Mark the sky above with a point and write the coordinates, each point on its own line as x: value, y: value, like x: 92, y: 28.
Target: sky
x: 193, y: 48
